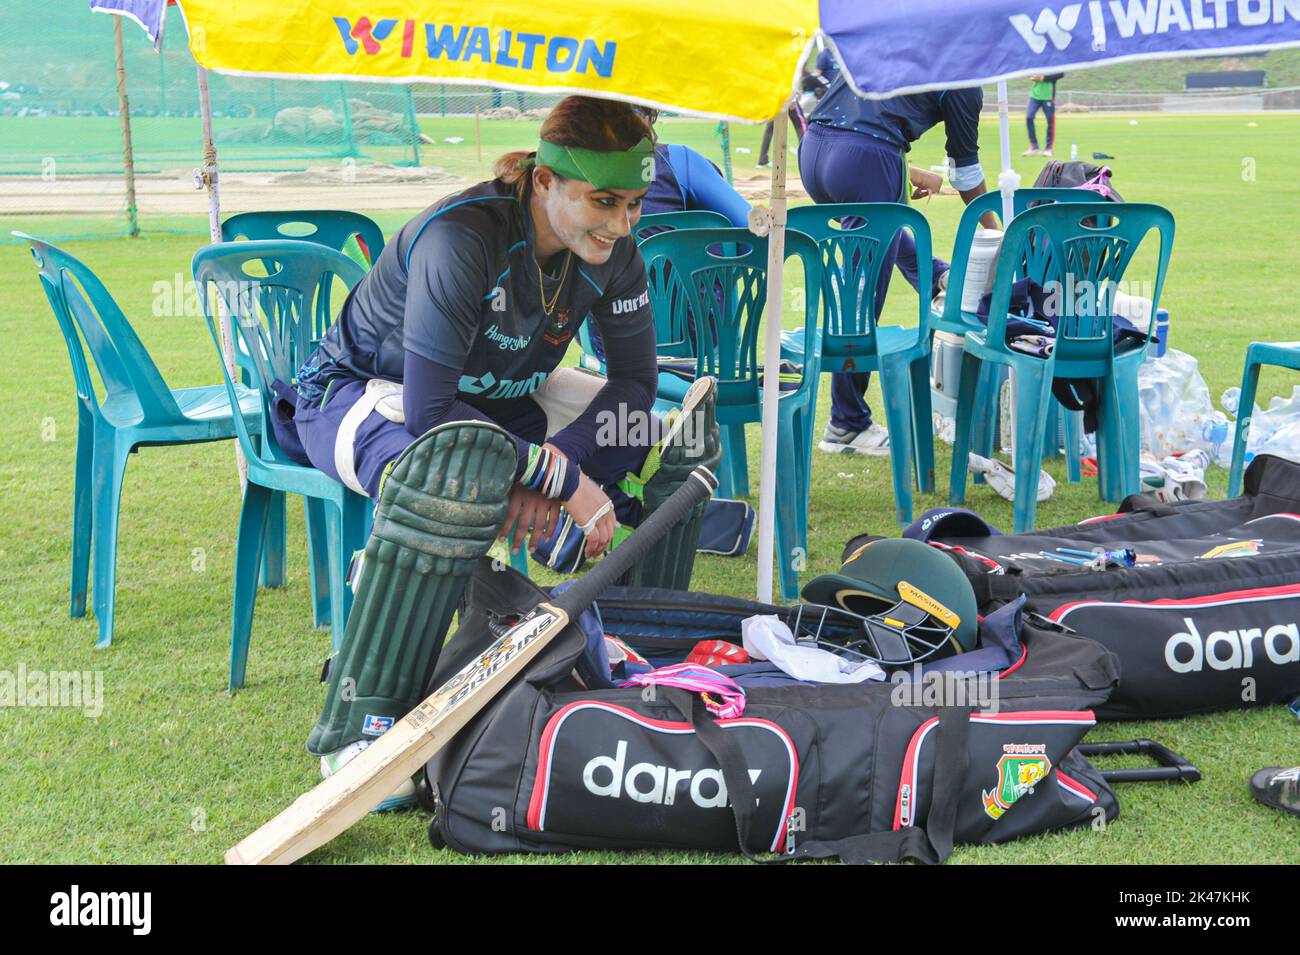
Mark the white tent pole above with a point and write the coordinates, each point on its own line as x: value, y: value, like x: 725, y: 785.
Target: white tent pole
x: 207, y: 176
x: 1008, y: 178
x: 772, y: 361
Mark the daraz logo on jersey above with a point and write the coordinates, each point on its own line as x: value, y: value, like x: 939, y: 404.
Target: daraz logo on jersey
x: 489, y: 386
x: 1130, y: 18
x: 559, y: 54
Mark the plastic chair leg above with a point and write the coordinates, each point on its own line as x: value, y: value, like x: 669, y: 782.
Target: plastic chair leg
x: 1073, y: 445
x: 1053, y: 435
x: 253, y: 519
x: 274, y: 547
x: 922, y: 425
x: 986, y: 410
x: 1245, y: 410
x: 82, y: 513
x: 791, y: 556
x: 802, y: 430
x: 896, y: 390
x: 351, y: 532
x: 338, y: 569
x: 318, y: 560
x: 735, y: 462
x: 961, y: 437
x: 1033, y: 399
x: 1119, y: 434
x: 109, y: 464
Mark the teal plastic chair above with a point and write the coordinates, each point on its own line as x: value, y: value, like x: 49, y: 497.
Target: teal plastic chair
x: 1062, y: 425
x: 674, y: 345
x: 854, y: 239
x: 334, y: 229
x: 138, y: 410
x: 328, y: 227
x: 1093, y: 244
x: 272, y: 317
x: 1282, y: 354
x: 720, y: 277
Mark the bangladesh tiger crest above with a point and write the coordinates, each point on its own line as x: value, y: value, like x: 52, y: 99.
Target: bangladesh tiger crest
x: 558, y: 329
x: 1021, y: 767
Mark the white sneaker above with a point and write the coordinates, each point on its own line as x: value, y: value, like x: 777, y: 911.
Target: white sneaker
x: 874, y: 441
x: 1046, y: 152
x: 1031, y: 151
x: 1184, y: 472
x: 1003, y: 479
x: 403, y: 796
x: 941, y: 297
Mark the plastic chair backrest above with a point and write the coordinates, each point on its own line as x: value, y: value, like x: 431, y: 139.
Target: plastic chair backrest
x: 854, y: 239
x: 720, y: 277
x: 80, y: 302
x: 270, y: 314
x: 1037, y: 265
x: 328, y: 227
x: 1095, y: 242
x: 686, y: 219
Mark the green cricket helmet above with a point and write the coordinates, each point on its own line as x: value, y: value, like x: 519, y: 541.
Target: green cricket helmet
x: 913, y: 600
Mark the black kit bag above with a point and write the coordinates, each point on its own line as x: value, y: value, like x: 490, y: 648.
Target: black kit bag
x: 1208, y: 619
x: 864, y: 773
x: 1059, y: 174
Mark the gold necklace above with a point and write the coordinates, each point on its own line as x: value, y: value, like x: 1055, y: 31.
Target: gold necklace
x: 547, y: 310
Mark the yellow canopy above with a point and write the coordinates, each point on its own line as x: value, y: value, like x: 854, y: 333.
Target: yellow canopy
x: 726, y: 59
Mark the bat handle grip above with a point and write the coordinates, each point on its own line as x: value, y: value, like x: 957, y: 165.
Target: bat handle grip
x: 698, y: 487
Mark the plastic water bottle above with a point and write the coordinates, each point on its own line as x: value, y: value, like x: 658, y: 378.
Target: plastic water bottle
x: 1074, y: 152
x: 1230, y: 399
x: 1214, y: 432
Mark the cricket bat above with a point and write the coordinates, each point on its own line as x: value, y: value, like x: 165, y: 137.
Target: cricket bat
x: 336, y: 804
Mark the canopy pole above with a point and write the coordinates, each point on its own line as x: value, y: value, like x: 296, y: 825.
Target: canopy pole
x: 776, y: 218
x: 128, y: 154
x: 1008, y: 178
x: 208, y: 176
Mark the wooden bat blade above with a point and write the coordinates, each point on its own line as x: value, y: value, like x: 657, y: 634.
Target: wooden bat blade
x: 359, y: 786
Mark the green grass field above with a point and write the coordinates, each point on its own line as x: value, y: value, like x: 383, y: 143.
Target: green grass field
x: 174, y: 770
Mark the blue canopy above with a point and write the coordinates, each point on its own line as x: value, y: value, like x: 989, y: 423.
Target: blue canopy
x: 902, y: 47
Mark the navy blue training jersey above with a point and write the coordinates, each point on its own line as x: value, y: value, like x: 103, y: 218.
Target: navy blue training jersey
x: 902, y: 120
x: 459, y: 285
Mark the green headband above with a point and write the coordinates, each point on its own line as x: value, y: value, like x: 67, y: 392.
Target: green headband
x: 630, y: 169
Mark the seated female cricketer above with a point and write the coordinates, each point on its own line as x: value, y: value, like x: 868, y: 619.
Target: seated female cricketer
x: 464, y: 318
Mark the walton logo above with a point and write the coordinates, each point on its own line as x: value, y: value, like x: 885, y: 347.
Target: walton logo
x: 1050, y: 25
x: 1148, y: 18
x: 1189, y: 652
x: 561, y: 54
x: 646, y: 782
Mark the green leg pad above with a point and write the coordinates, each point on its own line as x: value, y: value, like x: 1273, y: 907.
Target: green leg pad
x: 670, y: 562
x: 439, y: 511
